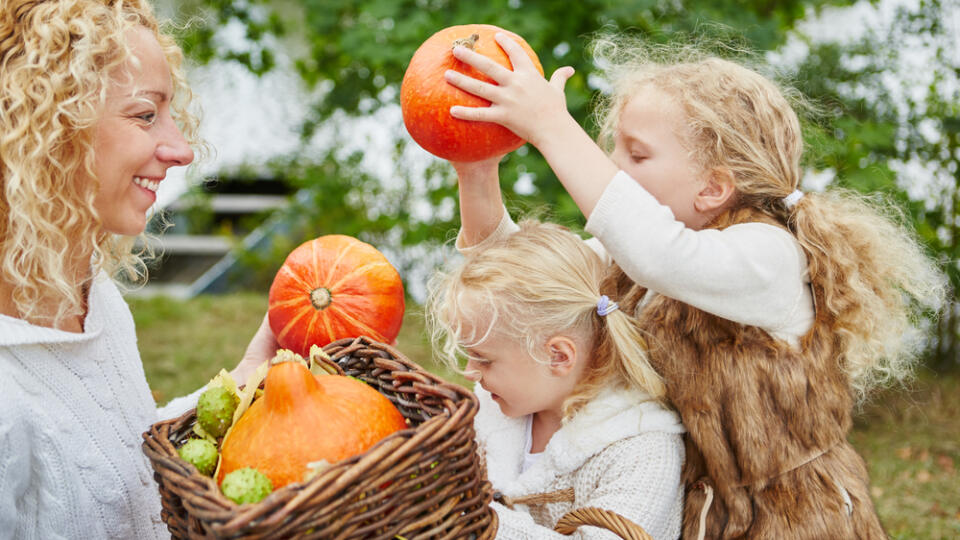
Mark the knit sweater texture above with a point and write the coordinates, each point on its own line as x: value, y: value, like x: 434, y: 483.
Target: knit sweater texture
x: 621, y: 452
x: 74, y: 406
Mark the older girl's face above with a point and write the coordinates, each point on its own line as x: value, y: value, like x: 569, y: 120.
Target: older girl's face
x: 136, y: 138
x: 651, y: 148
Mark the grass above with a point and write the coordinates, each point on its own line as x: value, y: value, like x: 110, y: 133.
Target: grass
x: 910, y: 438
x: 183, y: 344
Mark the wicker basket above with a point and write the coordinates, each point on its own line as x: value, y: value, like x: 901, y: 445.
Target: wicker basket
x: 423, y: 482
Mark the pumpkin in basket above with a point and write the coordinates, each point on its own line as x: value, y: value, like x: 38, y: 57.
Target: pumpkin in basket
x: 303, y: 418
x: 426, y: 97
x: 334, y: 287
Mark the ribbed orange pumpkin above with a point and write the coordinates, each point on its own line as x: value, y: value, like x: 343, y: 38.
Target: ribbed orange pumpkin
x: 335, y: 287
x: 426, y: 97
x: 302, y: 418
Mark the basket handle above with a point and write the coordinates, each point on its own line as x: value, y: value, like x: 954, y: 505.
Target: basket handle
x: 605, y: 519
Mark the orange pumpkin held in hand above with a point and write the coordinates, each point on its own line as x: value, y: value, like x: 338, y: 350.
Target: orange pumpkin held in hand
x: 426, y: 97
x: 335, y: 287
x: 303, y: 418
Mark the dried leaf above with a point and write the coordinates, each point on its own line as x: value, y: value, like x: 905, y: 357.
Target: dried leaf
x: 924, y: 476
x: 314, y: 468
x: 937, y: 510
x: 249, y: 391
x: 202, y: 433
x: 245, y: 399
x: 945, y: 462
x: 904, y: 452
x: 225, y: 380
x: 321, y: 363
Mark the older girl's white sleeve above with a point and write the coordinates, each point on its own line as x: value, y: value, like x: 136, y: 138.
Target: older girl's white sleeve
x: 751, y: 273
x: 638, y: 478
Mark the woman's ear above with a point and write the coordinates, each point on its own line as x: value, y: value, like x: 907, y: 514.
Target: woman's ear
x: 562, y: 352
x: 717, y: 193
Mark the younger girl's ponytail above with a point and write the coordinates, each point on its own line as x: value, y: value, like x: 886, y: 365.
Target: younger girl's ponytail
x: 621, y: 336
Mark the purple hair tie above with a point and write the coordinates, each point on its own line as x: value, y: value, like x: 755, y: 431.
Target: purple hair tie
x: 605, y: 306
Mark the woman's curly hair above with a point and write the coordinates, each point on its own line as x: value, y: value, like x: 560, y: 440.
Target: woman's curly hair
x: 56, y: 59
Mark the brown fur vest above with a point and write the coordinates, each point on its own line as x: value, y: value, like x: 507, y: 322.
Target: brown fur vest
x: 767, y: 424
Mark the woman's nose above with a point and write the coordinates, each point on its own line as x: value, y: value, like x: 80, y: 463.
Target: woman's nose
x: 173, y: 148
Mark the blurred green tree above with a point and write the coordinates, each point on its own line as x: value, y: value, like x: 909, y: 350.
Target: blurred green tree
x: 353, y: 55
x: 891, y: 99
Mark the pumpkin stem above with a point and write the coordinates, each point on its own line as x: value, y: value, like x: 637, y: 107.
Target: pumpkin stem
x: 320, y: 298
x: 467, y: 42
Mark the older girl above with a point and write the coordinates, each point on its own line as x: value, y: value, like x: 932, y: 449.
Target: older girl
x: 769, y: 311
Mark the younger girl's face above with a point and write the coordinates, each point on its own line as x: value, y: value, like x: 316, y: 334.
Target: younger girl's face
x: 518, y: 383
x: 651, y: 147
x: 136, y: 138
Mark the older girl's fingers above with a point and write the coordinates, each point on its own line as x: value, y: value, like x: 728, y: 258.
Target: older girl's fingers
x: 518, y: 56
x: 560, y: 77
x: 475, y: 114
x: 483, y: 64
x: 473, y: 86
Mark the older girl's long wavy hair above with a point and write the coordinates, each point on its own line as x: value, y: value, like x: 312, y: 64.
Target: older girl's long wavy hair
x: 875, y: 276
x: 540, y: 282
x: 56, y: 59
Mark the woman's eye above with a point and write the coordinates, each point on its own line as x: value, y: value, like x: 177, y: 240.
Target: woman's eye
x: 147, y: 117
x: 637, y: 159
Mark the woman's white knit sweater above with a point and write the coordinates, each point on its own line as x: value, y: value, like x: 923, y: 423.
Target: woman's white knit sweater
x: 621, y: 452
x: 74, y: 406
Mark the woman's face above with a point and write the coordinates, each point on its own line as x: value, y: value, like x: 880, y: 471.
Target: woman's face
x: 136, y: 139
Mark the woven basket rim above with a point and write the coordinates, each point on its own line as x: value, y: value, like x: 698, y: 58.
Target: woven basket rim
x: 206, y: 497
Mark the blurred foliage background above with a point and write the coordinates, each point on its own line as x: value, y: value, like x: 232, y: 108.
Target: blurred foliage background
x: 887, y: 106
x: 886, y: 99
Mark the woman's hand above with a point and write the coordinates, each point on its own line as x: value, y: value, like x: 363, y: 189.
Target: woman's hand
x: 261, y: 349
x: 521, y: 101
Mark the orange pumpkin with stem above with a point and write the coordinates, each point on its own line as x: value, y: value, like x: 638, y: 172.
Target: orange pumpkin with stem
x: 426, y: 97
x: 335, y: 287
x: 303, y: 418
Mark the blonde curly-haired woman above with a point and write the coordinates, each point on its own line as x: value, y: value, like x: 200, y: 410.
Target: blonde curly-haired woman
x: 93, y: 112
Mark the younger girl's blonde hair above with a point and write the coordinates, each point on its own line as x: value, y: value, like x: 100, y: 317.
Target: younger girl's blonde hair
x: 56, y: 63
x: 875, y: 277
x: 537, y: 283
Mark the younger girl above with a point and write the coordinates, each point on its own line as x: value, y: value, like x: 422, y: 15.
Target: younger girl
x: 570, y: 409
x: 773, y: 311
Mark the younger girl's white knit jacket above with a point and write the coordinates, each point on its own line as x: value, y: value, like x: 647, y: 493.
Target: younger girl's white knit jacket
x: 621, y: 452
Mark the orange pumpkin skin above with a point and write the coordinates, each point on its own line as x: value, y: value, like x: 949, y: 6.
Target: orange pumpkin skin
x: 302, y: 418
x: 426, y: 97
x: 335, y: 287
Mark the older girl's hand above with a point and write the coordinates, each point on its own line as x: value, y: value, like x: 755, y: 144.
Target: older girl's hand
x: 521, y: 101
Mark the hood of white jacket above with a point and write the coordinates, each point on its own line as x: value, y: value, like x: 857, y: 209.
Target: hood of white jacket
x: 17, y: 332
x: 613, y: 415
